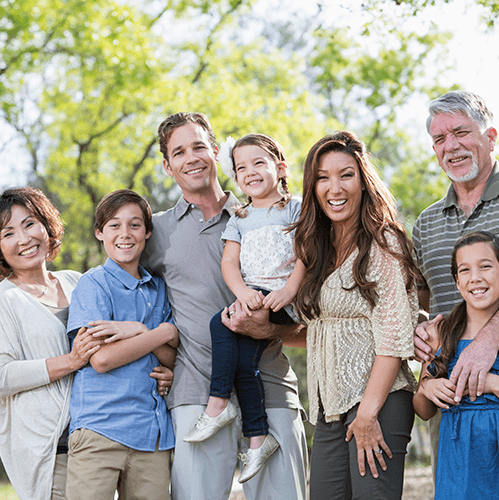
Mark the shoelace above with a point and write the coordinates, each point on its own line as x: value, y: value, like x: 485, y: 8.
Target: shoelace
x: 201, y: 421
x: 244, y: 458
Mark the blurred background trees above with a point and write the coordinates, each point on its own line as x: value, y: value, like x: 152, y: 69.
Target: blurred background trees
x: 84, y: 85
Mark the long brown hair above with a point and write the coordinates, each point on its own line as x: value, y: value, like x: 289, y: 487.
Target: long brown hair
x: 274, y: 149
x: 452, y: 327
x: 314, y: 237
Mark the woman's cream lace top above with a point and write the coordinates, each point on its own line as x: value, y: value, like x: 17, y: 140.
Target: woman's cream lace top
x: 343, y: 342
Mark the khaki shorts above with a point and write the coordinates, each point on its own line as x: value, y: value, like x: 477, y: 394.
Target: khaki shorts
x: 98, y: 466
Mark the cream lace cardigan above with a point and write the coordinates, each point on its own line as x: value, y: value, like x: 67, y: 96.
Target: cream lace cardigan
x: 343, y: 342
x: 33, y: 411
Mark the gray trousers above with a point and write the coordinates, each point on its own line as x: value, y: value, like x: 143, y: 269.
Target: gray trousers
x: 334, y: 471
x: 205, y: 471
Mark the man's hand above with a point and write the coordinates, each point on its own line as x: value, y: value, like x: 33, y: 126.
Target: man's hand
x: 257, y: 325
x: 472, y: 367
x: 164, y: 379
x: 422, y: 348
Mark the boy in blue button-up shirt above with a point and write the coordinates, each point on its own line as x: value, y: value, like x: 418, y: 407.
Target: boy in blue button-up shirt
x: 121, y: 432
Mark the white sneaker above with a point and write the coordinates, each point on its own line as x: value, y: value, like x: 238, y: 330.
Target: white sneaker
x: 255, y: 459
x: 206, y: 426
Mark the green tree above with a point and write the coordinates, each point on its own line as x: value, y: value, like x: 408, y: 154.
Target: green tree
x: 490, y: 8
x: 85, y: 84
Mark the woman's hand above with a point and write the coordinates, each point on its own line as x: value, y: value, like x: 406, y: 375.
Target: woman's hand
x: 439, y: 391
x: 115, y: 330
x: 370, y: 443
x: 85, y: 345
x: 164, y: 379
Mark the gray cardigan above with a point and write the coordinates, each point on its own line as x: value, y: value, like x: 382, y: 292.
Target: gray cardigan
x: 33, y: 411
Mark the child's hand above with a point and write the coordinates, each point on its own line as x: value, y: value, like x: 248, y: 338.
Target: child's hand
x: 116, y: 330
x: 277, y: 299
x: 251, y: 300
x: 440, y: 391
x: 491, y: 384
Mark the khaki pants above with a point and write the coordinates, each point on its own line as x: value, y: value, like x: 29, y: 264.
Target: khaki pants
x: 98, y: 466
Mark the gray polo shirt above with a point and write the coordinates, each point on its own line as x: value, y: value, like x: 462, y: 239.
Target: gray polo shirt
x: 436, y: 231
x: 187, y: 251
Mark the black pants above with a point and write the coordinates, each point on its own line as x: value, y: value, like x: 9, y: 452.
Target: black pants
x: 334, y: 471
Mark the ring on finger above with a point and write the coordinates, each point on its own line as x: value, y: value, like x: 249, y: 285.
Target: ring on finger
x: 230, y: 313
x: 378, y: 452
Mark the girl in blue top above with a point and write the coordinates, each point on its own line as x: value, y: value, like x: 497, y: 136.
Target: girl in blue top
x: 260, y: 268
x: 468, y: 450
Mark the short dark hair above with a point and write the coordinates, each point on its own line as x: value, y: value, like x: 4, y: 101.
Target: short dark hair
x: 168, y: 126
x: 112, y: 202
x: 41, y: 208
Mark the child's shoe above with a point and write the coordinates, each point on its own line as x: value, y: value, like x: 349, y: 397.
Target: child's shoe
x: 254, y: 460
x: 206, y: 426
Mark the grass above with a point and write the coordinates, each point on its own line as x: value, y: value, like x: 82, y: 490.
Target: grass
x: 7, y: 492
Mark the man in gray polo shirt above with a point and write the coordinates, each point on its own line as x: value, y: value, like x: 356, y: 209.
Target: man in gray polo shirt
x: 464, y: 141
x: 185, y: 248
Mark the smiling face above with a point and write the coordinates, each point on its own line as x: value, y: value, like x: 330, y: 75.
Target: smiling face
x: 192, y: 160
x: 124, y: 237
x: 24, y: 241
x: 339, y: 189
x: 478, y: 277
x: 258, y: 174
x: 463, y: 151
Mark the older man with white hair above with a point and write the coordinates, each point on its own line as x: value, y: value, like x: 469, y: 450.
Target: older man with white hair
x: 464, y: 139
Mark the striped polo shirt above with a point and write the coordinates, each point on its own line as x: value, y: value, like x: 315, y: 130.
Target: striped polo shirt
x: 439, y: 227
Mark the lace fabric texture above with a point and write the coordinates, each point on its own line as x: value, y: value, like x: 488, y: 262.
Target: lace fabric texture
x: 267, y: 257
x: 343, y: 342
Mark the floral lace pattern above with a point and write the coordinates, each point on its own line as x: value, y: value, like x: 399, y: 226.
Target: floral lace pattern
x: 267, y: 257
x: 343, y: 342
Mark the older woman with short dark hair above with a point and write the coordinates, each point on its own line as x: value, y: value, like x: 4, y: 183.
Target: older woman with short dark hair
x: 36, y: 364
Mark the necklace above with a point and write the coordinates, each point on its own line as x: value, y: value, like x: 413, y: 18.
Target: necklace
x: 34, y: 289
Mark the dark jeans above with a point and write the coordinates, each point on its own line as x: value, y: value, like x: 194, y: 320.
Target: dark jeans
x: 235, y: 360
x: 334, y: 471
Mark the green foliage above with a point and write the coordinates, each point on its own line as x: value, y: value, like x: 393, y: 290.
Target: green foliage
x: 490, y: 8
x: 417, y: 185
x: 85, y: 84
x: 7, y: 492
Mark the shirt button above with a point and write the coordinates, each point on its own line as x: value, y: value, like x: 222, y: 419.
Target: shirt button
x: 201, y: 220
x: 149, y: 304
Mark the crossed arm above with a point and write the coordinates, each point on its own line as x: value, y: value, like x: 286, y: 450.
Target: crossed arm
x: 127, y: 341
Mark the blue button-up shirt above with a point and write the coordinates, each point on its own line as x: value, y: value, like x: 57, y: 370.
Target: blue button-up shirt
x: 122, y: 404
